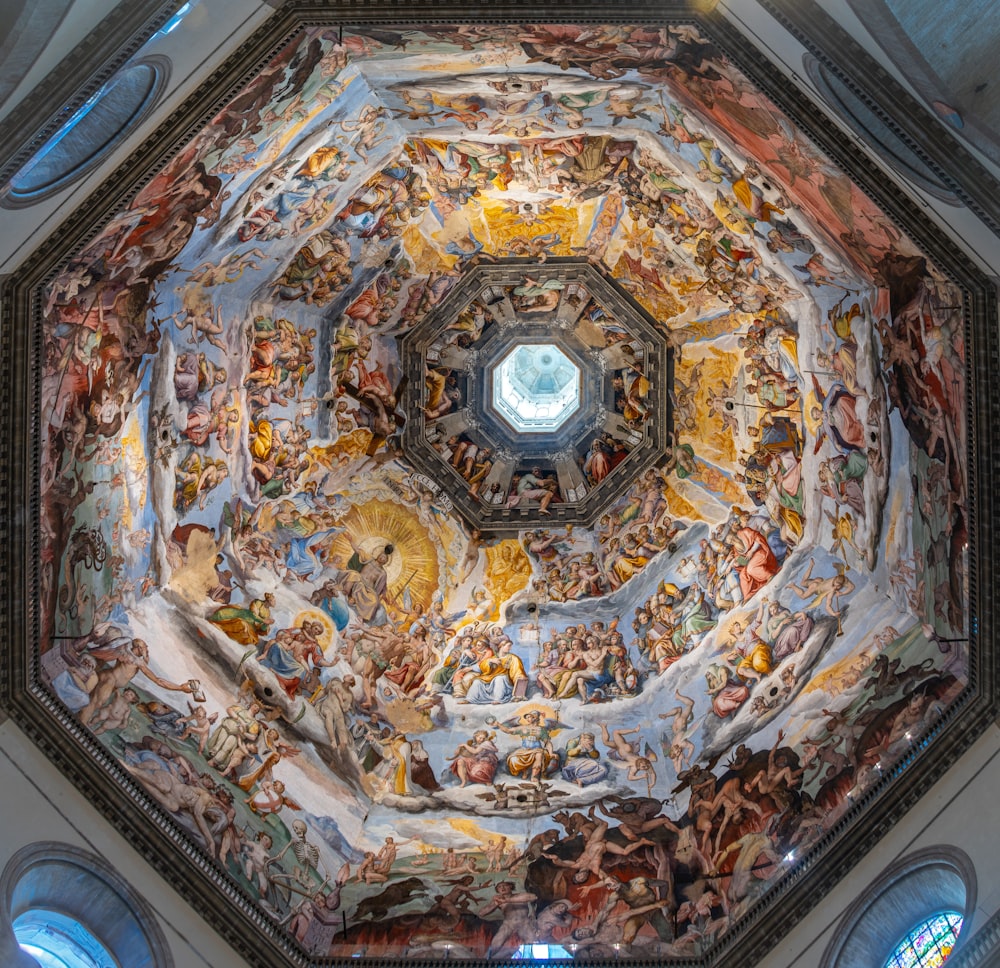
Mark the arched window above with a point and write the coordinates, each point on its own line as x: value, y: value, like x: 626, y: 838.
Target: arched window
x: 929, y: 943
x: 61, y: 907
x: 895, y: 921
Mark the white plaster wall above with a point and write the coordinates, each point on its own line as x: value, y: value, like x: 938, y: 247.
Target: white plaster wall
x: 80, y: 19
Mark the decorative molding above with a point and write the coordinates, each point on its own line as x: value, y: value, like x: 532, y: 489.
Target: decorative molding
x: 28, y: 27
x: 925, y: 134
x: 90, y: 907
x: 911, y: 889
x: 982, y: 948
x: 881, y: 23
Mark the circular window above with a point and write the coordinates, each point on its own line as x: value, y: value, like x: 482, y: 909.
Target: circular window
x: 57, y: 941
x: 86, y: 136
x: 66, y: 908
x: 865, y: 122
x: 928, y: 944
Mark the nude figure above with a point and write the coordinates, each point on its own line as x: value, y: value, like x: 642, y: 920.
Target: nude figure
x: 778, y: 771
x: 456, y: 901
x: 178, y: 796
x: 825, y: 589
x: 681, y: 748
x: 623, y: 751
x: 128, y: 660
x: 197, y: 313
x: 115, y: 714
x: 197, y: 725
x: 590, y: 862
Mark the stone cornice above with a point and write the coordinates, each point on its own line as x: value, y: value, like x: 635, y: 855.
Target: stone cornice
x: 947, y: 156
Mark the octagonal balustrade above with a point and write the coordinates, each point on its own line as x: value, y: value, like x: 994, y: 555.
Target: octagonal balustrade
x: 534, y: 392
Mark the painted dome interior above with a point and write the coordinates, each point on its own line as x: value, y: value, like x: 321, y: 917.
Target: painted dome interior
x: 391, y: 678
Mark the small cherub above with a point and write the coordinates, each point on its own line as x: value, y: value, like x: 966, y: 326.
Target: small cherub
x: 197, y: 725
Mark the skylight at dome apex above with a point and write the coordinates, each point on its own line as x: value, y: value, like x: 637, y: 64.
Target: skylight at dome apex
x: 536, y: 387
x: 606, y: 738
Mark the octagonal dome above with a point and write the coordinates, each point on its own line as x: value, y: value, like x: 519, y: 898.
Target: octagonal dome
x: 535, y: 387
x: 288, y: 588
x: 538, y: 391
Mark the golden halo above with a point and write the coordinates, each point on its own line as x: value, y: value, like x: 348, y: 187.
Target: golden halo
x: 314, y: 615
x: 547, y: 713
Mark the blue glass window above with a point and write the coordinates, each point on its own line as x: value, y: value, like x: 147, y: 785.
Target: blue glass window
x: 174, y: 21
x: 57, y: 941
x: 540, y: 952
x: 89, y: 133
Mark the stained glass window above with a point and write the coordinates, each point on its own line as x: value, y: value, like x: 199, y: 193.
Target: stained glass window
x: 929, y: 944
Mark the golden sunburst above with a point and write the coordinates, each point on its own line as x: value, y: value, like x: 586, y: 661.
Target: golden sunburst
x: 507, y: 228
x: 378, y: 526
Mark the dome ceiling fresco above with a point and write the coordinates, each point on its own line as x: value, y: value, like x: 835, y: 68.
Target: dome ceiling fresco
x: 274, y: 604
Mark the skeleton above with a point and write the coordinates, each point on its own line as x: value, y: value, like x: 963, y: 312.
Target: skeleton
x: 307, y: 865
